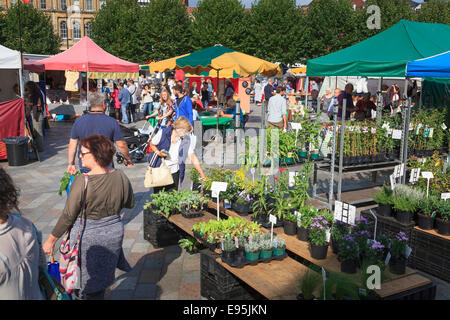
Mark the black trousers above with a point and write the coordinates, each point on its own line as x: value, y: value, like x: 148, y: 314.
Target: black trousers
x: 131, y: 112
x: 173, y: 186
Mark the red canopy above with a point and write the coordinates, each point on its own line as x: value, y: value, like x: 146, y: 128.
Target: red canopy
x: 33, y: 65
x: 86, y: 56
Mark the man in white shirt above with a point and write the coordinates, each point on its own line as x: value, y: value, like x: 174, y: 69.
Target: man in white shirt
x: 133, y: 97
x: 277, y: 110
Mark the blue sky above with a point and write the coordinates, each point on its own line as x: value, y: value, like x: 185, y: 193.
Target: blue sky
x: 248, y: 3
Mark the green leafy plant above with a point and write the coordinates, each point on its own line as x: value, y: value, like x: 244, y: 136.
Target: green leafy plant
x: 194, y: 175
x: 65, y: 181
x: 429, y: 206
x: 266, y: 245
x: 190, y: 244
x: 343, y: 286
x: 404, y: 204
x: 398, y: 246
x: 444, y: 210
x: 279, y: 243
x: 309, y: 283
x: 307, y: 213
x: 229, y: 245
x: 290, y: 217
x: 384, y: 196
x: 253, y: 247
x: 339, y: 230
x: 299, y: 193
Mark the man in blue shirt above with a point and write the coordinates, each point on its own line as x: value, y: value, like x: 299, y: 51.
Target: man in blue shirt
x: 95, y: 122
x: 268, y: 90
x: 183, y: 105
x: 125, y: 100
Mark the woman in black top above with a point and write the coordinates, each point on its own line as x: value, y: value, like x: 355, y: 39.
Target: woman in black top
x: 36, y: 107
x: 205, y: 94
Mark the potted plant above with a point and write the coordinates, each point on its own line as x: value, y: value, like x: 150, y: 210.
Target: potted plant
x: 338, y: 231
x: 190, y: 244
x: 279, y: 247
x: 317, y: 237
x: 384, y: 199
x: 309, y: 283
x: 361, y: 237
x: 196, y: 180
x: 192, y: 204
x: 266, y: 249
x: 348, y: 254
x: 242, y: 204
x: 229, y: 251
x: 240, y: 252
x: 427, y: 212
x: 252, y: 251
x: 399, y: 243
x: 306, y: 214
x: 443, y: 221
x: 375, y: 253
x: 385, y: 241
x: 404, y: 209
x: 290, y: 224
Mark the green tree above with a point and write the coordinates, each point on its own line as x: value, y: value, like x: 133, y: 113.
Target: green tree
x: 38, y: 35
x: 275, y: 31
x: 218, y: 22
x: 331, y: 25
x: 164, y: 30
x: 2, y: 26
x: 114, y: 28
x: 391, y: 12
x: 437, y: 11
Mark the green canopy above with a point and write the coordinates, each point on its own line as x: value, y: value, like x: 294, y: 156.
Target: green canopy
x: 202, y: 59
x: 385, y: 54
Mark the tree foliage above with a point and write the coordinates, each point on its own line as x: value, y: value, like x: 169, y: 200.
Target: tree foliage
x: 114, y: 28
x: 219, y: 22
x: 437, y: 11
x: 164, y: 30
x: 38, y: 35
x: 275, y: 31
x: 331, y: 25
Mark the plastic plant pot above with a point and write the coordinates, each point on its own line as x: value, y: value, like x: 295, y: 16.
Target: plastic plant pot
x: 319, y: 252
x: 252, y: 256
x: 425, y: 222
x: 348, y: 266
x: 277, y: 252
x: 266, y: 254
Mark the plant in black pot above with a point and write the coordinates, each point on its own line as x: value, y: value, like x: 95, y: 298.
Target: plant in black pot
x: 399, y: 245
x: 194, y: 175
x: 304, y: 223
x: 443, y: 219
x: 375, y: 253
x: 426, y: 213
x: 348, y: 254
x: 242, y: 204
x: 260, y: 204
x: 338, y: 231
x: 192, y: 204
x: 190, y: 244
x: 229, y: 251
x: 404, y: 209
x: 317, y: 237
x: 308, y: 285
x: 361, y: 234
x: 240, y: 252
x: 290, y: 224
x: 384, y: 198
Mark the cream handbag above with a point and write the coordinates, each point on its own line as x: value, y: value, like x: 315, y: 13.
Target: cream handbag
x: 158, y: 177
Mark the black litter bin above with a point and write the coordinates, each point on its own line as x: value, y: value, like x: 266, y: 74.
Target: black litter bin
x: 16, y: 150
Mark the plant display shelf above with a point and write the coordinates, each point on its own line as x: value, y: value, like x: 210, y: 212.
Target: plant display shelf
x: 301, y: 249
x: 411, y: 287
x: 360, y: 168
x: 357, y: 197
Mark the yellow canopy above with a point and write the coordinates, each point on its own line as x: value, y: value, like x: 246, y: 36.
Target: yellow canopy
x: 163, y: 65
x: 299, y: 70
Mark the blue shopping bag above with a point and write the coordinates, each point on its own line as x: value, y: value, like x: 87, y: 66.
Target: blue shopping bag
x: 53, y: 269
x: 70, y: 184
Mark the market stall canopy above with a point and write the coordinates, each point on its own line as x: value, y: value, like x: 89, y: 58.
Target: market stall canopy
x: 161, y: 66
x: 86, y: 56
x: 33, y: 65
x: 300, y: 70
x: 230, y: 63
x: 385, y: 54
x: 9, y: 59
x: 437, y: 66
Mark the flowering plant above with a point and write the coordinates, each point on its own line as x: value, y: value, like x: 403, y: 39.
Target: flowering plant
x: 375, y: 253
x: 361, y: 224
x: 398, y: 246
x: 361, y: 238
x: 339, y: 230
x: 318, y: 227
x: 244, y: 197
x: 348, y: 249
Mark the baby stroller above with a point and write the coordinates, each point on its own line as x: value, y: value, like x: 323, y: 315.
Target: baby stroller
x: 137, y: 141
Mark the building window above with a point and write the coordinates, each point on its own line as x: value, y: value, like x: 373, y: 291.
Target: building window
x: 43, y: 4
x: 63, y: 29
x: 89, y: 5
x: 87, y: 29
x: 76, y: 30
x: 63, y: 4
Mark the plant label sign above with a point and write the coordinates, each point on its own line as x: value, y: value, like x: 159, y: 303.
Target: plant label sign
x: 415, y: 174
x: 388, y: 257
x: 444, y: 127
x: 252, y: 171
x: 393, y: 181
x: 327, y: 235
x: 296, y: 126
x: 408, y: 251
x: 273, y: 220
x: 292, y: 176
x: 397, y: 134
x: 399, y: 170
x: 445, y: 196
x: 427, y: 175
x: 344, y: 212
x: 217, y: 187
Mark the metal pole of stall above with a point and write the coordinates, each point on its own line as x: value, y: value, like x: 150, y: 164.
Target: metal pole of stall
x: 306, y: 92
x: 379, y: 101
x: 333, y: 155
x: 217, y: 125
x: 238, y: 114
x: 262, y: 135
x: 406, y: 135
x: 404, y: 143
x: 341, y: 148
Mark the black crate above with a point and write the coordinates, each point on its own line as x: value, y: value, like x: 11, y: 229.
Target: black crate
x: 427, y: 292
x: 433, y: 264
x: 159, y: 231
x: 212, y: 292
x: 433, y: 244
x: 388, y: 225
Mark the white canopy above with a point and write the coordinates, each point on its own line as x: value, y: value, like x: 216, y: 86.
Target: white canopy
x: 9, y: 59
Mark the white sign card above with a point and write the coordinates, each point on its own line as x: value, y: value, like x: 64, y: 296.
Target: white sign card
x: 296, y: 126
x: 445, y: 196
x: 344, y: 212
x: 388, y: 257
x: 327, y: 235
x: 216, y: 188
x: 273, y: 220
x: 393, y: 181
x: 427, y: 175
x: 252, y: 171
x: 415, y: 174
x: 292, y: 176
x: 397, y: 134
x: 408, y: 251
x: 444, y: 127
x: 399, y: 170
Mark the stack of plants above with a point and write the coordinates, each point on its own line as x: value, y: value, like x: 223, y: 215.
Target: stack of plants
x: 242, y: 200
x: 423, y: 141
x: 213, y: 232
x: 441, y: 181
x: 189, y: 203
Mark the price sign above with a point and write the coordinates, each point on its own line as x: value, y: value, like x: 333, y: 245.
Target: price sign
x: 397, y: 134
x: 418, y: 128
x: 399, y: 170
x: 216, y: 188
x: 327, y: 235
x: 344, y: 212
x: 273, y: 220
x: 415, y: 174
x: 445, y: 196
x: 296, y: 126
x: 427, y: 175
x: 443, y: 126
